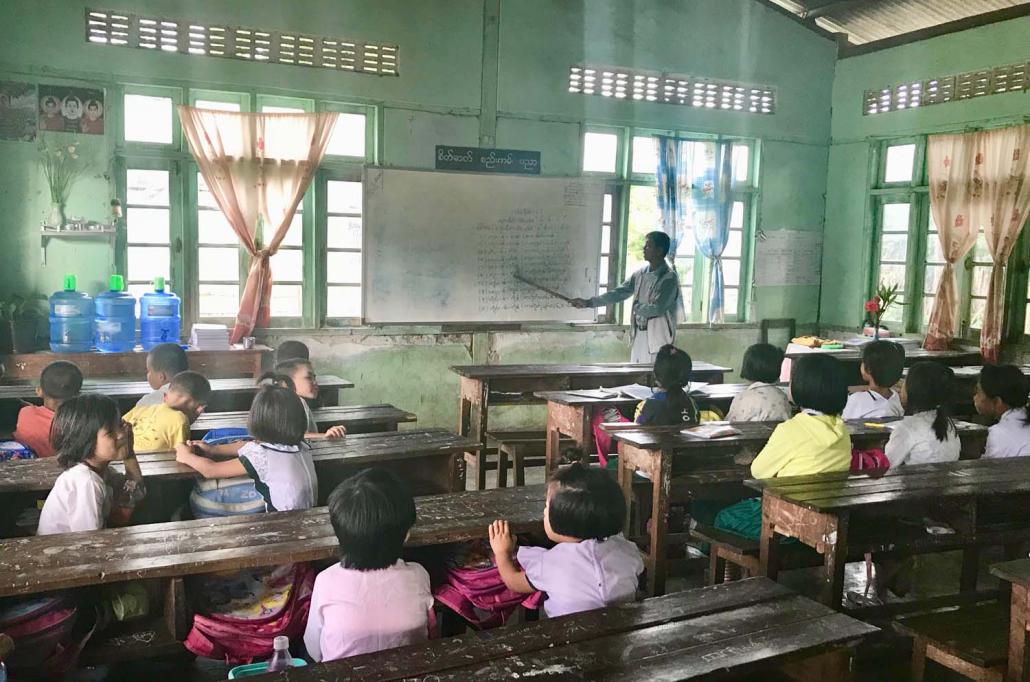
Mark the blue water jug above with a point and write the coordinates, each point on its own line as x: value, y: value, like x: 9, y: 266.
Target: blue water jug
x: 71, y: 319
x: 116, y: 318
x: 159, y: 320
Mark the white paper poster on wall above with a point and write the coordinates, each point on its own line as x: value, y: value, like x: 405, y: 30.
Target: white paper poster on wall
x: 788, y: 258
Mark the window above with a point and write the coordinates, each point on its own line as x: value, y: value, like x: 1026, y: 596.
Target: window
x: 105, y: 27
x: 148, y: 228
x: 668, y: 88
x: 600, y: 151
x: 218, y: 259
x: 348, y: 137
x: 908, y: 249
x: 148, y: 119
x: 343, y: 249
x: 608, y: 256
x: 691, y: 266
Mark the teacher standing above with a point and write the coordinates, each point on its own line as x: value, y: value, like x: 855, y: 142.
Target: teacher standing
x: 655, y: 289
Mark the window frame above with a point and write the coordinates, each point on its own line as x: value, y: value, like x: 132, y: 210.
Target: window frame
x: 916, y: 193
x: 340, y: 172
x: 624, y: 179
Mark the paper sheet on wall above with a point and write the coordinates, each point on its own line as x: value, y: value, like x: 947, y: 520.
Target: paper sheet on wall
x: 788, y: 258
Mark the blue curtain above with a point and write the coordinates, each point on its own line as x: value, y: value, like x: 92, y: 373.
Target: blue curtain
x: 710, y: 201
x: 672, y: 187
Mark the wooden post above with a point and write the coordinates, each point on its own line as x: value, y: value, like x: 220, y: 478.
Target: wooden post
x: 657, y: 563
x: 768, y: 545
x: 1019, y: 615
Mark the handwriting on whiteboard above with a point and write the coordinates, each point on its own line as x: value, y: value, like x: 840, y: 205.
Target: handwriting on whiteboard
x: 788, y: 258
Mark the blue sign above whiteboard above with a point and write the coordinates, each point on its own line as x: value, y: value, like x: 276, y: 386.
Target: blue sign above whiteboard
x: 485, y: 160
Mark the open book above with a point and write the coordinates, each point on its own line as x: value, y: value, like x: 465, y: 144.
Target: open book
x: 712, y: 430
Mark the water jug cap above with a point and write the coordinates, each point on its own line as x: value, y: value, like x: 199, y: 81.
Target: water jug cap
x: 159, y: 284
x: 281, y: 643
x: 116, y: 283
x: 69, y: 282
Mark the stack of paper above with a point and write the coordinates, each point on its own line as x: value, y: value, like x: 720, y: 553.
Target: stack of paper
x: 712, y: 430
x: 209, y: 337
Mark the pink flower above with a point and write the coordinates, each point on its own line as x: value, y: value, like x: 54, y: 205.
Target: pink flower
x: 872, y: 305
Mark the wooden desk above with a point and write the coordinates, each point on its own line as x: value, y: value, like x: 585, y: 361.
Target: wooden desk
x: 430, y: 460
x: 225, y: 393
x: 214, y: 364
x: 654, y: 451
x: 1017, y: 574
x: 169, y: 552
x: 744, y: 625
x: 818, y: 510
x: 852, y: 358
x: 357, y: 419
x: 569, y: 415
x: 486, y: 385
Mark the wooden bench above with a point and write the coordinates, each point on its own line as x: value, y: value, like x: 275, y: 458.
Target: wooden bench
x: 430, y: 460
x: 226, y: 394
x: 486, y: 385
x: 521, y: 448
x: 971, y: 640
x: 166, y: 553
x: 697, y: 634
x: 1017, y: 574
x: 357, y: 419
x: 666, y: 456
x: 842, y: 515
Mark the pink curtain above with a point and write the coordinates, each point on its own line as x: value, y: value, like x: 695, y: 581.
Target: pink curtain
x: 257, y: 167
x: 1006, y: 162
x: 953, y: 184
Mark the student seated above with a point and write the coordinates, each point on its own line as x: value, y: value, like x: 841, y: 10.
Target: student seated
x: 814, y: 441
x: 238, y: 617
x: 88, y: 435
x: 164, y: 361
x: 300, y: 378
x: 670, y: 405
x: 592, y: 564
x: 59, y: 382
x: 372, y: 513
x: 882, y: 365
x: 1001, y: 393
x: 762, y: 400
x: 927, y: 434
x: 291, y: 350
x: 161, y: 427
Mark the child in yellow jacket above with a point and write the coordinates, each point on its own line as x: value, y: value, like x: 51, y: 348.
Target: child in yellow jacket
x: 814, y: 441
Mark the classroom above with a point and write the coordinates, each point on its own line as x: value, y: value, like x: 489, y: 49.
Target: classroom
x: 497, y: 339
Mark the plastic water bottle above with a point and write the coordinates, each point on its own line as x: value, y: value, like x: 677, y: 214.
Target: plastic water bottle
x: 71, y: 319
x: 159, y: 319
x: 281, y: 659
x: 116, y: 318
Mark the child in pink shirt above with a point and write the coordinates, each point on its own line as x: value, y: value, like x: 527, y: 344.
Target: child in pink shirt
x: 591, y: 564
x: 372, y: 599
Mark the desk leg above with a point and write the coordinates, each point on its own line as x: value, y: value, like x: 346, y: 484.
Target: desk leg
x: 625, y: 476
x: 571, y: 421
x: 658, y: 465
x: 835, y: 551
x: 472, y: 411
x: 966, y: 523
x: 768, y: 545
x: 1019, y: 615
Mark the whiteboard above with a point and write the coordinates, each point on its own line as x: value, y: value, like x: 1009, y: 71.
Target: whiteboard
x: 445, y: 247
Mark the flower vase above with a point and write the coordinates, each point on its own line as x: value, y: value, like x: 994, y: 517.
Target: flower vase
x: 876, y: 329
x: 56, y: 217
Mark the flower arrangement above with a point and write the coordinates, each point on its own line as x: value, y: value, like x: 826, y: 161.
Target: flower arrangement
x: 62, y: 165
x: 886, y: 296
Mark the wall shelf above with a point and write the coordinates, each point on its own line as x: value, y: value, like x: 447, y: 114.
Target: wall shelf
x: 45, y: 235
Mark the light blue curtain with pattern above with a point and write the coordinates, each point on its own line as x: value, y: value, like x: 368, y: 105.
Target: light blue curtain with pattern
x: 672, y: 188
x: 709, y: 203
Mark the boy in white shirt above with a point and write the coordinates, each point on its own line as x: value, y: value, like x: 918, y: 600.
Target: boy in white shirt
x: 882, y: 366
x: 1001, y: 393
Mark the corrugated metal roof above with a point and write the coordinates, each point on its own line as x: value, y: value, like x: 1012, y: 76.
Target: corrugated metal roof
x: 867, y: 21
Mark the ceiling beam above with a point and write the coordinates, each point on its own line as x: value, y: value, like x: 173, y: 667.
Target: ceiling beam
x: 824, y: 8
x: 933, y: 31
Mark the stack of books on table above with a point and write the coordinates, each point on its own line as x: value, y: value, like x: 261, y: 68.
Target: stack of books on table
x: 209, y: 337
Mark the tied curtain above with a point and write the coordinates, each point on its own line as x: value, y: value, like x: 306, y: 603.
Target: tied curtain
x: 694, y: 193
x: 978, y: 181
x: 257, y: 167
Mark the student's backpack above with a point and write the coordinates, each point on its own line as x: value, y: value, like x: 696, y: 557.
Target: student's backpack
x: 225, y: 496
x: 473, y: 589
x: 11, y: 450
x: 873, y: 458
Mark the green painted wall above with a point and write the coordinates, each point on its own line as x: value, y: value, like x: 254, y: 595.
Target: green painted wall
x: 445, y: 94
x: 846, y: 249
